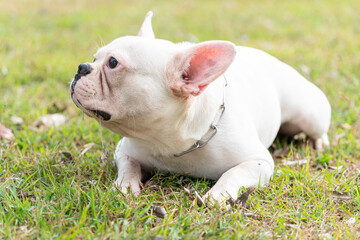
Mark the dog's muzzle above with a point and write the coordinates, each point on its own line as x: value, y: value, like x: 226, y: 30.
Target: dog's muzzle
x: 83, y: 70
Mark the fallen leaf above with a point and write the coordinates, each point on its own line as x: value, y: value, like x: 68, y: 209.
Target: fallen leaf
x: 6, y: 133
x: 56, y: 108
x: 326, y: 236
x: 345, y: 126
x: 159, y: 211
x: 244, y: 197
x: 295, y: 226
x: 105, y: 156
x: 86, y: 148
x: 66, y: 157
x: 350, y: 221
x: 293, y: 163
x: 242, y: 200
x: 336, y: 168
x: 341, y: 196
x: 51, y: 120
x: 334, y: 74
x: 268, y: 235
x: 17, y: 120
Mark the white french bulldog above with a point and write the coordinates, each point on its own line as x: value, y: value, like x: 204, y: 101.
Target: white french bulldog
x: 208, y: 110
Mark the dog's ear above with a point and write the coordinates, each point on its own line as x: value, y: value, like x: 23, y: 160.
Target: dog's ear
x: 189, y: 72
x: 146, y: 28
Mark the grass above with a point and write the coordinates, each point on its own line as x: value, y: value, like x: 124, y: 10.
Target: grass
x: 45, y: 195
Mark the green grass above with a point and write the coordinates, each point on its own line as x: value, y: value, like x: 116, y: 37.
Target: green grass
x: 44, y: 195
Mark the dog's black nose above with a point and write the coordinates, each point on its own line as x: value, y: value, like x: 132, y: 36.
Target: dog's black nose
x: 84, y: 69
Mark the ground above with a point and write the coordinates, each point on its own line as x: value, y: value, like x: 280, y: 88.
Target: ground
x: 56, y: 182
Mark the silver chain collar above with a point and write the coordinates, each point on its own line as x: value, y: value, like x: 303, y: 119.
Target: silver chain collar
x: 212, y: 130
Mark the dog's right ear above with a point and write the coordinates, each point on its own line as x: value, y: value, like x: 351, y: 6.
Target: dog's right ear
x: 192, y: 70
x: 146, y: 28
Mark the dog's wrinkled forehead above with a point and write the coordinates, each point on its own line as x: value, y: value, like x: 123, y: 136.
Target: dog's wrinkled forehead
x: 138, y: 51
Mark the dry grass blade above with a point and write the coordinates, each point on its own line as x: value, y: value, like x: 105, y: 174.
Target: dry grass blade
x: 187, y: 191
x: 199, y: 201
x: 294, y: 163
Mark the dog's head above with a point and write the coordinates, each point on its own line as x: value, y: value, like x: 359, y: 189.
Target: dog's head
x: 141, y: 77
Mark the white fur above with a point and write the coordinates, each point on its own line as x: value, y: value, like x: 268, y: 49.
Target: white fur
x: 262, y: 95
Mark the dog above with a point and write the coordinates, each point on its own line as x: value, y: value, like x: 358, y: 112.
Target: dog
x: 209, y: 110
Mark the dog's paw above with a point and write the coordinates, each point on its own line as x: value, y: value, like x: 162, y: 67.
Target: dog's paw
x: 321, y: 143
x: 216, y: 198
x: 126, y: 186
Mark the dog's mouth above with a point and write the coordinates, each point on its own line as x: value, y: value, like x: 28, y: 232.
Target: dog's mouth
x: 102, y: 115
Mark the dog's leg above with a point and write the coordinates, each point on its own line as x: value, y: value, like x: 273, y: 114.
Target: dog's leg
x: 256, y: 171
x: 318, y: 141
x: 129, y: 173
x: 308, y: 110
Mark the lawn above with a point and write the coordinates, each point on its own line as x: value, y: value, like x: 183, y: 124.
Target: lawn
x: 57, y: 182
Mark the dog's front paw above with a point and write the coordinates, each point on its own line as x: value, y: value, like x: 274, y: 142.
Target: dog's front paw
x: 216, y: 197
x: 132, y: 185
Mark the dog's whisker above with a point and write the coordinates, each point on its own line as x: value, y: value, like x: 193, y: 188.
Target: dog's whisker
x: 134, y: 123
x: 102, y: 42
x: 102, y: 138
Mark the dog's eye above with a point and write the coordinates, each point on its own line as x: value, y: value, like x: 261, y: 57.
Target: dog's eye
x: 113, y: 63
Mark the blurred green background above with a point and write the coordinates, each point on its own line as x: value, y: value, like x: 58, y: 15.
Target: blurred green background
x: 42, y: 42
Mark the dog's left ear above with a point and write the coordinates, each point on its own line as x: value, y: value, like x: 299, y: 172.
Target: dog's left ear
x: 146, y: 28
x: 190, y: 71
